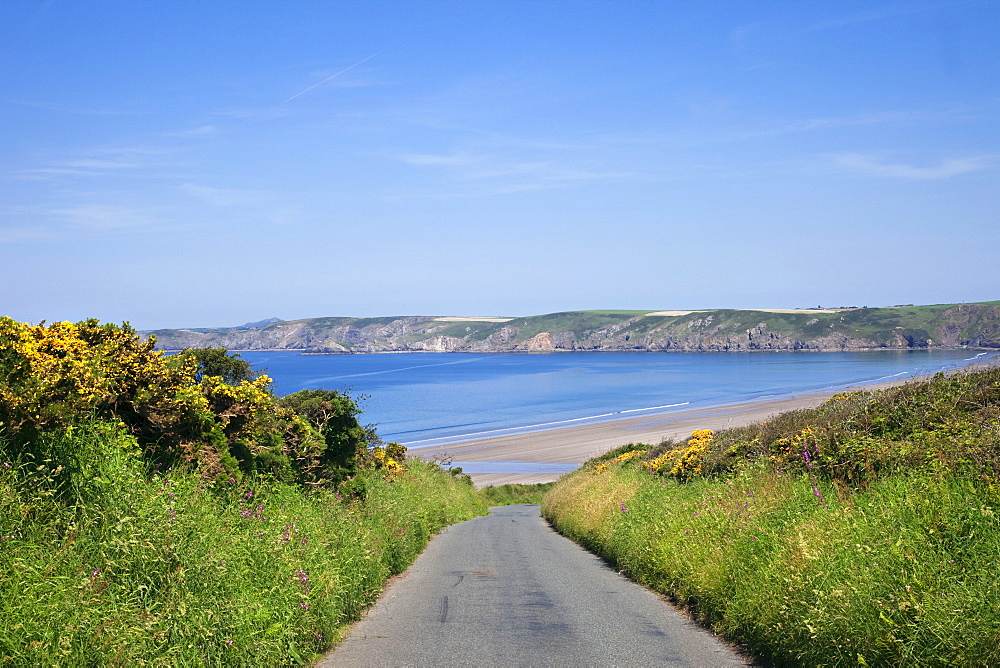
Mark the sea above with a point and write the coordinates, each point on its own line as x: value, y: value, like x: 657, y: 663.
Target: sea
x: 424, y: 399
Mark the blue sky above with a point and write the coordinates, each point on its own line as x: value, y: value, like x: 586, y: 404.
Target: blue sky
x: 180, y: 164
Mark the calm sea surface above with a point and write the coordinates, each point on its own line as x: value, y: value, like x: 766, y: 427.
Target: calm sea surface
x: 436, y: 398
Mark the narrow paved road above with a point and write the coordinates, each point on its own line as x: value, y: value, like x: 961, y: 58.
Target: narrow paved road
x: 507, y: 590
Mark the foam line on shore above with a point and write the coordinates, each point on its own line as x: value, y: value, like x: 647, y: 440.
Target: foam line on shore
x: 895, y: 375
x: 535, y: 427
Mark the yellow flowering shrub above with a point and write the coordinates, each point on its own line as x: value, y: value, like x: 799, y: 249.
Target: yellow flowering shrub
x: 624, y: 457
x: 793, y: 448
x: 52, y: 376
x: 389, y: 457
x: 685, y: 462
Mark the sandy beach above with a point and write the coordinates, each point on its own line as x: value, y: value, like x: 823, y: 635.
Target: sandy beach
x: 575, y: 445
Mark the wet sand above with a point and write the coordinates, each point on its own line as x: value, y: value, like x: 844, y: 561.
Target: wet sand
x: 575, y: 445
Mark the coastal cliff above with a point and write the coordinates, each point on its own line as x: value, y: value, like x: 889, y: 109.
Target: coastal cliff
x: 975, y: 325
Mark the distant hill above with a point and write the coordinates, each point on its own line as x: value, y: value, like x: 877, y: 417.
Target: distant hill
x: 258, y: 324
x: 975, y: 325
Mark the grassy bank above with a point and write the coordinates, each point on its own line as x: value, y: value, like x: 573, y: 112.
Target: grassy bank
x: 172, y: 510
x: 104, y: 563
x: 862, y: 532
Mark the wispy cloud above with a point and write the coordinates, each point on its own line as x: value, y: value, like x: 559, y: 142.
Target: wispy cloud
x: 542, y: 172
x: 870, y: 165
x: 65, y: 108
x: 99, y: 161
x: 884, y: 12
x: 267, y: 206
x: 17, y: 234
x: 223, y: 197
x: 422, y: 159
x: 503, y: 172
x: 255, y: 114
x: 200, y: 131
x: 103, y: 217
x: 820, y: 123
x: 70, y: 221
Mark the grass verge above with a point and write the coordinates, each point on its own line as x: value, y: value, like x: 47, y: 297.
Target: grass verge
x: 102, y: 563
x: 865, y: 532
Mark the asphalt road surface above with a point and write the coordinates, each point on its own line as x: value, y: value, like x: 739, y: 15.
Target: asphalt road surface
x: 507, y: 590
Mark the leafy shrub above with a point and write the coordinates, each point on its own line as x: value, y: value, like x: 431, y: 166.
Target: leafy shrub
x: 683, y: 463
x: 200, y: 408
x: 230, y: 367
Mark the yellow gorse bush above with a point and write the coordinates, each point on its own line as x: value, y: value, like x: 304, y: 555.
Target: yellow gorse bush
x: 624, y: 457
x: 682, y: 463
x: 389, y: 457
x: 791, y: 448
x: 52, y: 376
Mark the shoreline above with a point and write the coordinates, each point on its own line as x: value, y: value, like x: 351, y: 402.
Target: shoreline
x: 558, y: 351
x: 576, y: 444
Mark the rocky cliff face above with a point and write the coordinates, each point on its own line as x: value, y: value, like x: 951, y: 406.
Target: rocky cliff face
x: 973, y: 325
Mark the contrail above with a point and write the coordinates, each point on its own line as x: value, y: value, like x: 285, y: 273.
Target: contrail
x: 332, y: 76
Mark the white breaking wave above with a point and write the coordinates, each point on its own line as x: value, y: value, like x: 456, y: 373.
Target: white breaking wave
x: 533, y: 427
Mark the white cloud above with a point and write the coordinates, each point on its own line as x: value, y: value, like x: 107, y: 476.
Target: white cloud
x: 16, y: 234
x: 510, y: 171
x: 259, y: 114
x: 428, y: 159
x: 98, y: 161
x: 68, y: 109
x: 51, y: 222
x: 103, y: 217
x: 870, y: 165
x: 801, y: 125
x: 223, y: 197
x: 199, y: 131
x: 268, y: 206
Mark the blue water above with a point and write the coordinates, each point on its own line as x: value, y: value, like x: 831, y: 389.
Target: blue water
x: 437, y: 398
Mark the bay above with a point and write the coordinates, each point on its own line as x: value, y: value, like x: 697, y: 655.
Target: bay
x: 439, y: 398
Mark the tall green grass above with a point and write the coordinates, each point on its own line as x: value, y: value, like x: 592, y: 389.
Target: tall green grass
x: 512, y: 494
x: 104, y: 563
x: 879, y: 548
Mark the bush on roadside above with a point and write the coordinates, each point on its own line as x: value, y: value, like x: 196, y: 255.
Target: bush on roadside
x: 200, y: 409
x: 170, y: 510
